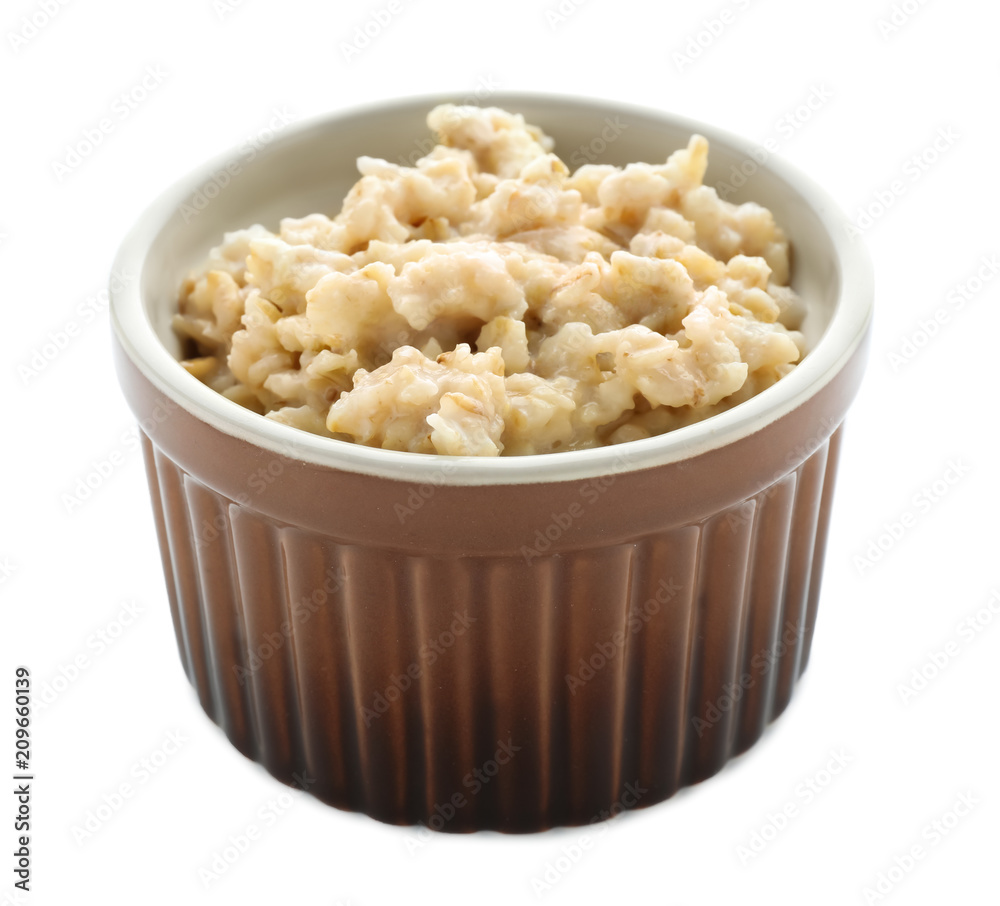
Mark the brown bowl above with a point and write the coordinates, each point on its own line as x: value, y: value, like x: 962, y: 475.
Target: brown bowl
x: 507, y: 643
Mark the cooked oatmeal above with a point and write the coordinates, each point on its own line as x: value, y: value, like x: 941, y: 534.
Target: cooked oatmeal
x: 487, y: 301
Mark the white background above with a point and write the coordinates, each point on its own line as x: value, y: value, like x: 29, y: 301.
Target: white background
x: 67, y: 571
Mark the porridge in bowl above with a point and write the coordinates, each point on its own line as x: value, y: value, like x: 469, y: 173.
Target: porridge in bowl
x: 487, y: 301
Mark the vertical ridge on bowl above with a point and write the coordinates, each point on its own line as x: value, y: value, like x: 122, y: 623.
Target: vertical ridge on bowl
x: 807, y: 504
x: 753, y: 567
x: 773, y: 514
x: 225, y: 637
x: 318, y: 628
x: 661, y: 661
x: 512, y: 609
x: 373, y: 640
x: 493, y: 679
x: 624, y: 722
x: 262, y: 591
x: 549, y: 754
x: 429, y: 716
x: 721, y: 577
x: 208, y: 578
x: 250, y: 742
x: 286, y: 628
x: 819, y: 550
x: 342, y: 649
x: 180, y: 545
x: 149, y: 454
x: 302, y: 564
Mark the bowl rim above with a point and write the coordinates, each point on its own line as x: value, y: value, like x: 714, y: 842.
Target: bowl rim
x: 842, y: 338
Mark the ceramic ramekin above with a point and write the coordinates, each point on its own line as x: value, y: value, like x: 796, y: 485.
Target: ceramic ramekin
x: 510, y: 643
